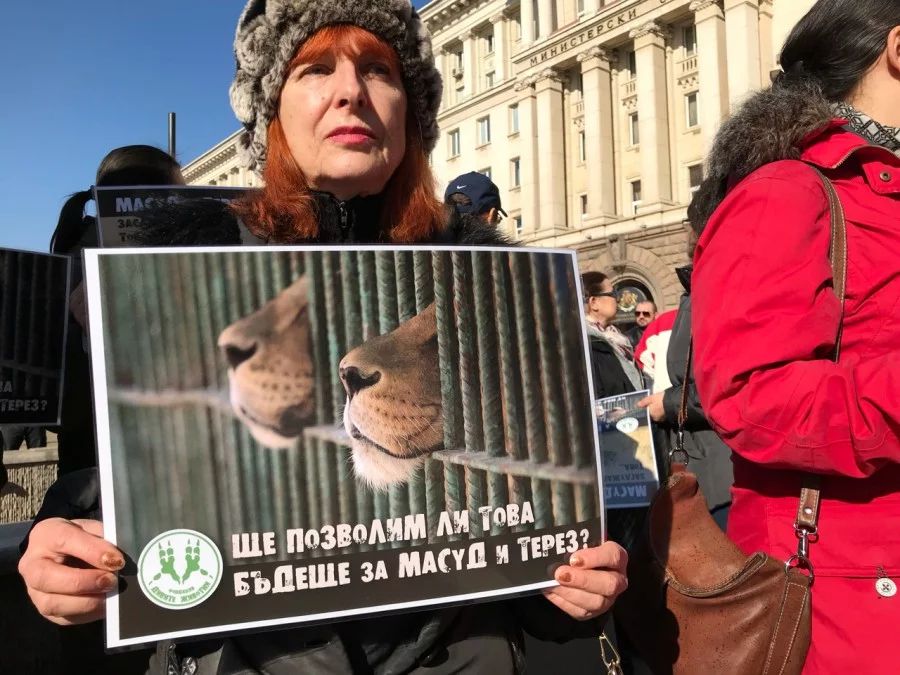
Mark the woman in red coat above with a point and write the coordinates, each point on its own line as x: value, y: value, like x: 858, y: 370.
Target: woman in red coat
x: 767, y: 320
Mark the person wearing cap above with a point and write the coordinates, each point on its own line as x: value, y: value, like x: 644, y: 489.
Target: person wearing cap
x: 339, y: 105
x: 475, y: 194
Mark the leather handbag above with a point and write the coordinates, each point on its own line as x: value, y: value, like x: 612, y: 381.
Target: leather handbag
x: 695, y: 603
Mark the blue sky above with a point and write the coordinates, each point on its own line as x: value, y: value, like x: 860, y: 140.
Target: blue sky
x: 82, y: 78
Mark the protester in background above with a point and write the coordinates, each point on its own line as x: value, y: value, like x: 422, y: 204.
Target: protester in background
x: 76, y: 231
x: 767, y: 321
x: 644, y: 314
x: 82, y: 646
x: 650, y: 352
x: 709, y: 457
x: 475, y: 194
x: 612, y: 357
x: 340, y: 112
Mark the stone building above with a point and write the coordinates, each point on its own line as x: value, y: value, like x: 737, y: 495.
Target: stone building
x: 592, y: 117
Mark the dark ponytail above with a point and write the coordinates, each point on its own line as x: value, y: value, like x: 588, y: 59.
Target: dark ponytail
x: 836, y: 44
x: 128, y: 165
x: 72, y: 223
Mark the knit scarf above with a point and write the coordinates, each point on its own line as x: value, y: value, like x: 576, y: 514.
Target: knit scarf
x: 865, y: 126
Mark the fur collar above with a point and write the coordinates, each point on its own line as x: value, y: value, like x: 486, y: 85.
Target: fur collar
x: 771, y: 126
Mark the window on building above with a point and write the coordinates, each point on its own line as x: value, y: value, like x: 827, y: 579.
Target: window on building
x: 517, y: 22
x: 489, y: 43
x: 634, y: 129
x: 582, y: 147
x: 695, y: 177
x: 578, y: 86
x: 517, y: 221
x: 689, y: 37
x: 486, y: 172
x: 459, y: 94
x: 515, y: 170
x: 455, y: 146
x: 459, y: 60
x: 489, y: 79
x: 484, y: 131
x: 691, y: 112
x: 583, y: 199
x: 579, y: 6
x: 632, y: 64
x: 514, y: 118
x: 635, y: 196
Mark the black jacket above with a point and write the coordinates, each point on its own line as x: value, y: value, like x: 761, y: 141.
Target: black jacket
x: 710, y: 458
x: 433, y: 642
x: 606, y: 371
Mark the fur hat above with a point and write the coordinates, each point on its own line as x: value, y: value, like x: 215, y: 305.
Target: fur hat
x: 271, y: 31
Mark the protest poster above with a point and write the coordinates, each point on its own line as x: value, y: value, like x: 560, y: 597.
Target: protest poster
x: 630, y: 473
x: 119, y: 209
x: 34, y: 308
x: 292, y: 435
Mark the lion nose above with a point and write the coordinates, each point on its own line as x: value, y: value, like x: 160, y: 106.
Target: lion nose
x: 237, y: 355
x: 355, y: 380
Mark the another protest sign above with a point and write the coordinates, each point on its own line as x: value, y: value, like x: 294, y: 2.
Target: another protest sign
x: 34, y: 295
x: 119, y: 209
x: 630, y: 473
x: 307, y: 434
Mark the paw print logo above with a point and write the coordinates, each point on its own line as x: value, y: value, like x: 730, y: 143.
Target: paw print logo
x: 179, y: 569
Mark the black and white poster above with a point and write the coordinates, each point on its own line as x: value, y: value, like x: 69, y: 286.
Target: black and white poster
x: 292, y: 435
x: 34, y: 306
x: 119, y: 209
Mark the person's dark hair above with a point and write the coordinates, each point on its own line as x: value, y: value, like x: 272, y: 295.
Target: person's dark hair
x: 836, y: 43
x: 651, y: 303
x: 128, y: 165
x: 592, y: 284
x: 459, y: 199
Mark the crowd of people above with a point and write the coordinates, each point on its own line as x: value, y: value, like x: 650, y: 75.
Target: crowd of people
x: 782, y: 371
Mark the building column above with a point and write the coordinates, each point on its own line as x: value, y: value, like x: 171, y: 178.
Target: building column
x: 742, y: 33
x: 710, y: 22
x: 551, y: 149
x: 545, y: 18
x: 653, y: 114
x: 530, y: 192
x: 766, y: 50
x: 500, y: 46
x: 469, y: 63
x: 598, y: 129
x: 526, y: 16
x: 440, y: 62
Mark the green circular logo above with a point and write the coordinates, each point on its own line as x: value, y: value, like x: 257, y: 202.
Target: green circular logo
x: 179, y: 569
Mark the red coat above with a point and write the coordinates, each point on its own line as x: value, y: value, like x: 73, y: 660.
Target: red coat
x: 765, y: 320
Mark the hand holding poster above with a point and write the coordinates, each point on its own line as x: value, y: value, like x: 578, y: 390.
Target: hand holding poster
x: 296, y: 435
x: 34, y: 292
x: 630, y: 473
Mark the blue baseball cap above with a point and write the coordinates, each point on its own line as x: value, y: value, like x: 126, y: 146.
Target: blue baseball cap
x: 480, y: 190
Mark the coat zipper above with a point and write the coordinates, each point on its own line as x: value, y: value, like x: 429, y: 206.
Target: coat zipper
x: 345, y: 226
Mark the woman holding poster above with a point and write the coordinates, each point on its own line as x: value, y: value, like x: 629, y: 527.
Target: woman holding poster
x: 339, y: 103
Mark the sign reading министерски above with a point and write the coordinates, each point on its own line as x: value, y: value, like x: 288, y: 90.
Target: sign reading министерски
x: 34, y: 309
x: 119, y: 209
x: 337, y: 431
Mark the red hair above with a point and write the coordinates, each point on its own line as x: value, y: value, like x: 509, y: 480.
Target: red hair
x: 284, y: 210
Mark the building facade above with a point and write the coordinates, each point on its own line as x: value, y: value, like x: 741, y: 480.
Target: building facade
x: 591, y: 116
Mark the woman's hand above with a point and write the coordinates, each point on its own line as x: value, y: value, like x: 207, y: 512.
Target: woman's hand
x: 591, y: 582
x: 68, y: 568
x: 655, y: 403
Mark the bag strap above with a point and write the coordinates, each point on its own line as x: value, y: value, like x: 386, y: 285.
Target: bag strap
x: 807, y: 523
